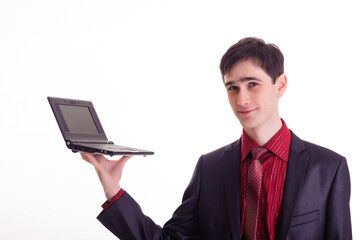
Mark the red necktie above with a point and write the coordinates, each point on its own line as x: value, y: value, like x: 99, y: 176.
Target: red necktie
x: 253, y: 191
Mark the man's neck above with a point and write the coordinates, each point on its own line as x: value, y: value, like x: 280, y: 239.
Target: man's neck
x: 264, y: 133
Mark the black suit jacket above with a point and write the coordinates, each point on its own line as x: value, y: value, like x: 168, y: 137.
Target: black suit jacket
x: 315, y: 202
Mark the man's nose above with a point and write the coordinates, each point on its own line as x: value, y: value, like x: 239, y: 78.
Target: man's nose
x: 243, y: 97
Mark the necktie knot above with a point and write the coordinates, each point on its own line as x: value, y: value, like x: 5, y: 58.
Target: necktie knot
x: 258, y: 152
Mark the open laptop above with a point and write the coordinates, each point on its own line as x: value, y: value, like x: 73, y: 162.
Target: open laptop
x: 82, y: 131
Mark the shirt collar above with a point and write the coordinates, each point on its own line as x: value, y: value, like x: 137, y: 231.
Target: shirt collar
x: 279, y: 144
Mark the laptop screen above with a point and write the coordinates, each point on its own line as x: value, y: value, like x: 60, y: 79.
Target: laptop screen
x: 78, y: 119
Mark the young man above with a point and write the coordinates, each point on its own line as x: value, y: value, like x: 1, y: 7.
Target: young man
x: 269, y: 184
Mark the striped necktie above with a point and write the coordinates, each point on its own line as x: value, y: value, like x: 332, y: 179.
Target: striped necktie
x: 253, y: 191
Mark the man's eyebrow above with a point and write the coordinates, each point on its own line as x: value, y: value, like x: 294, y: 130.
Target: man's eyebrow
x: 245, y: 79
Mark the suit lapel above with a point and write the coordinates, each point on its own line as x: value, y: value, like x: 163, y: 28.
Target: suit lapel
x: 296, y: 169
x: 231, y: 181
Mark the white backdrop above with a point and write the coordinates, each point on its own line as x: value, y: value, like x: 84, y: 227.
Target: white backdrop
x: 151, y: 70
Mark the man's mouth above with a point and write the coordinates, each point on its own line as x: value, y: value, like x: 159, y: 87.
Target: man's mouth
x: 247, y: 111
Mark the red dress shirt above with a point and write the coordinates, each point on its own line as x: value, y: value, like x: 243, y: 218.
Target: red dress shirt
x: 107, y: 204
x: 274, y: 166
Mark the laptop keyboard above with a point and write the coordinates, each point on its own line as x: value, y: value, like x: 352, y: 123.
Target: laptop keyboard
x: 109, y: 147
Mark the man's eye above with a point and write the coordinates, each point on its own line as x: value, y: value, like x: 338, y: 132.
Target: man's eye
x: 232, y: 88
x: 252, y: 84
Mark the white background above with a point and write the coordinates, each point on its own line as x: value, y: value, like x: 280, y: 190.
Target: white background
x: 151, y: 70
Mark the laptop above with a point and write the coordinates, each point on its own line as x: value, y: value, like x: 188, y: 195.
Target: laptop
x: 82, y: 130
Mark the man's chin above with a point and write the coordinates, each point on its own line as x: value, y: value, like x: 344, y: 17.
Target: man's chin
x: 247, y: 123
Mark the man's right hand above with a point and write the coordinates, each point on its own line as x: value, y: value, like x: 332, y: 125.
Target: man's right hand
x: 109, y: 171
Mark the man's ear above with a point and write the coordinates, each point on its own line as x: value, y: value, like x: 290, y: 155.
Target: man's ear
x: 281, y: 85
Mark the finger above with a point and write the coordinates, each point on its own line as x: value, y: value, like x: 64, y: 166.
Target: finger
x: 84, y: 157
x: 123, y: 160
x: 121, y: 163
x: 91, y: 159
x: 100, y: 157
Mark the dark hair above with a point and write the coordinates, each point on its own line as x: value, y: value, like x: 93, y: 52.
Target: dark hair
x: 266, y: 56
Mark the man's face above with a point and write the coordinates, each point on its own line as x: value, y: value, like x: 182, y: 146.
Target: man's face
x: 252, y: 95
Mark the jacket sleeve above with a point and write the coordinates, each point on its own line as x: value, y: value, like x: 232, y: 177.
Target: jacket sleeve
x: 338, y: 223
x: 126, y: 220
